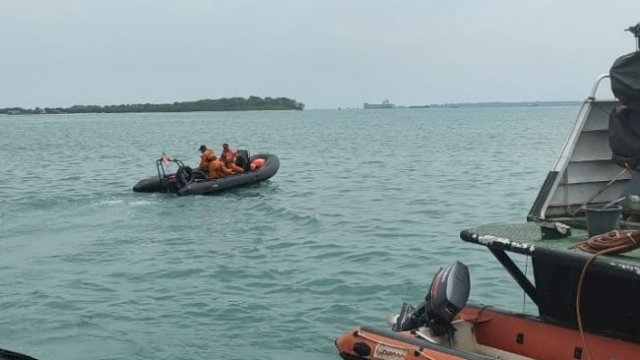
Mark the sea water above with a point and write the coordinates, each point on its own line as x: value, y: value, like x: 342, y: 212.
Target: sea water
x: 365, y: 208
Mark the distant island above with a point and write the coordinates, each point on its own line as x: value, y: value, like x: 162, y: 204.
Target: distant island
x: 387, y: 105
x: 502, y: 104
x: 224, y: 104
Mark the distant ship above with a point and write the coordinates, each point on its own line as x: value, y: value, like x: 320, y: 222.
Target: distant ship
x: 385, y: 105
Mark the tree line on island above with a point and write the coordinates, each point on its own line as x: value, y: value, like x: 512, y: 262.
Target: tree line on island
x: 224, y: 104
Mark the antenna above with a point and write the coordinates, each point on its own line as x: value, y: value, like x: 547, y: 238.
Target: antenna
x: 635, y: 30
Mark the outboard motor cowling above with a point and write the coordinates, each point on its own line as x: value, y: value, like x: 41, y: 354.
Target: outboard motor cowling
x: 448, y: 294
x: 242, y: 159
x: 449, y: 291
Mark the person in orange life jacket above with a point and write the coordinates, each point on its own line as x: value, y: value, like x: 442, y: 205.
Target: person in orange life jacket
x: 216, y: 168
x: 204, y: 158
x: 228, y: 157
x: 227, y: 154
x: 231, y: 168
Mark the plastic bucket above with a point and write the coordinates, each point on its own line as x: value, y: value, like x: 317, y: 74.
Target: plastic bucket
x: 601, y: 220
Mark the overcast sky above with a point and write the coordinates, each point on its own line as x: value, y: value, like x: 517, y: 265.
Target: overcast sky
x: 324, y: 53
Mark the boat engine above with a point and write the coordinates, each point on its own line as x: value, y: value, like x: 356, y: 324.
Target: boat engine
x: 242, y: 159
x: 447, y: 295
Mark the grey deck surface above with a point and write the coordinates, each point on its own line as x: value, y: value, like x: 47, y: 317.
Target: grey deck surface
x: 526, y: 238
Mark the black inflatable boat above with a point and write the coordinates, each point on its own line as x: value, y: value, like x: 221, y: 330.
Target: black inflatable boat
x: 186, y: 181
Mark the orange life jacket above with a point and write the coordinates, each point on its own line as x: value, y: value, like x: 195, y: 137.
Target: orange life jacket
x: 204, y: 160
x: 215, y: 169
x: 228, y: 156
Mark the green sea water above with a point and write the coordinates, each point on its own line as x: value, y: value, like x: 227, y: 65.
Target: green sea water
x: 365, y: 207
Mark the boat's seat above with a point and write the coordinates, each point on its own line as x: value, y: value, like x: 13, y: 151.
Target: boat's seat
x: 198, y: 175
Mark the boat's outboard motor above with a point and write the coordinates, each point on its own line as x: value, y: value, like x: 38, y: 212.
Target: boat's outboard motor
x: 242, y: 159
x: 448, y: 294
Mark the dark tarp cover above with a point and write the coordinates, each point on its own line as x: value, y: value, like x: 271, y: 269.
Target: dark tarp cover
x: 624, y: 136
x: 625, y: 79
x: 558, y: 299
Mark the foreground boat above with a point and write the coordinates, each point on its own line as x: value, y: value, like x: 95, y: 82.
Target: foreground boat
x: 444, y: 326
x: 11, y: 355
x: 585, y: 286
x: 186, y: 181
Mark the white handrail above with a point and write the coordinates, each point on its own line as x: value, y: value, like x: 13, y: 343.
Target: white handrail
x: 595, y: 86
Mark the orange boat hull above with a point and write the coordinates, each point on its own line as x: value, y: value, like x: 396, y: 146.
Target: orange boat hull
x: 495, y: 333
